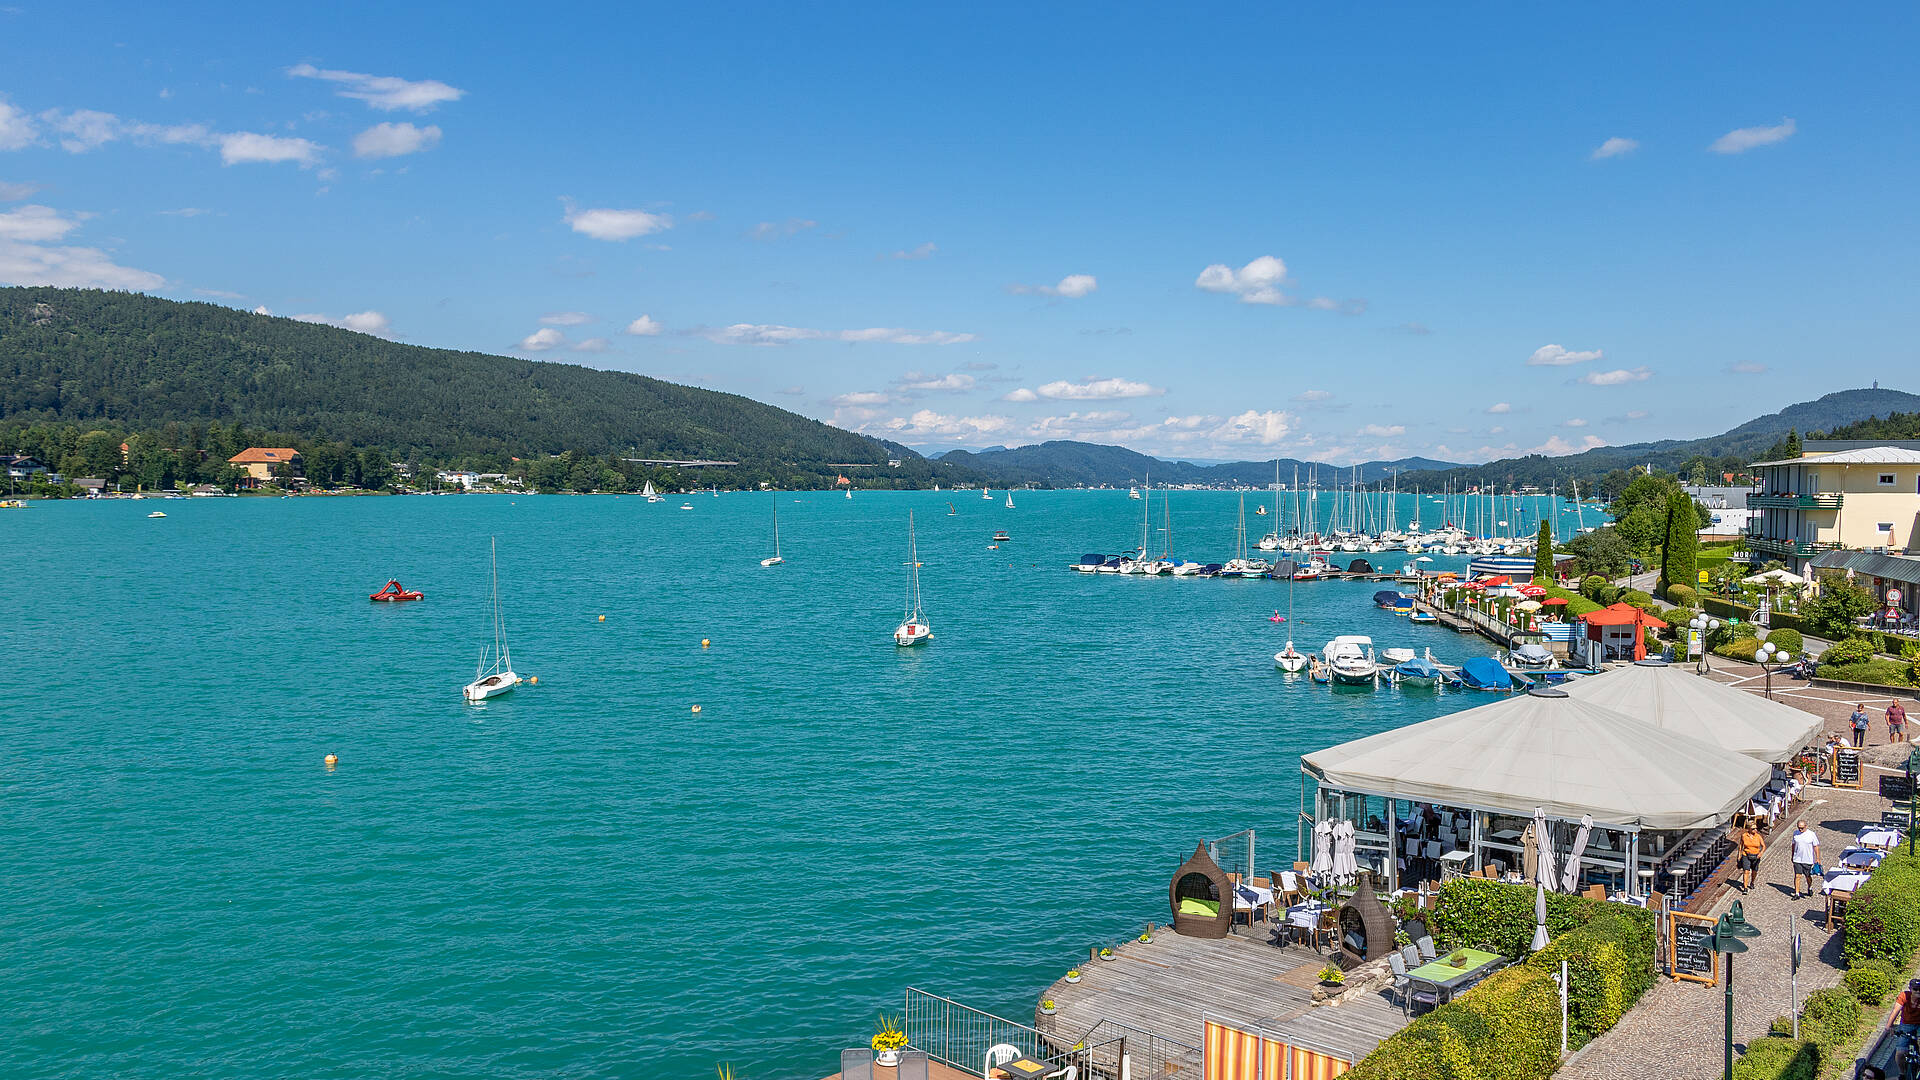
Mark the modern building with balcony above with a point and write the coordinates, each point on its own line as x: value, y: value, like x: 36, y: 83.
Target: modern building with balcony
x: 1835, y: 496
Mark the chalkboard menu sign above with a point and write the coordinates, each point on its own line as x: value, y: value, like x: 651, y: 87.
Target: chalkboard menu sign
x: 1899, y: 788
x: 1846, y: 767
x: 1894, y: 819
x: 1690, y: 943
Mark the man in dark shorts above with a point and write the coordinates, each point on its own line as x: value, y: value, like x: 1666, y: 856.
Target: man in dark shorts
x: 1806, y: 858
x: 1896, y: 722
x: 1752, y: 845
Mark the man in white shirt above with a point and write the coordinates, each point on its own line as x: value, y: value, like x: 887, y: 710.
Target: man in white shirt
x: 1806, y: 858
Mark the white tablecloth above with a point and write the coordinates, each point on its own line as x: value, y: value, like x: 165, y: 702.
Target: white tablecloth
x: 1253, y: 895
x: 1878, y: 836
x: 1305, y: 916
x: 1843, y: 880
x: 1861, y: 858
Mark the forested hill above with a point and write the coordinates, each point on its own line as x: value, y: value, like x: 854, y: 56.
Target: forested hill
x: 139, y: 362
x: 1064, y: 463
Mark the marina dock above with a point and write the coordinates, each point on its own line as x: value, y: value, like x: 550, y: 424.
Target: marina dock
x: 1162, y: 986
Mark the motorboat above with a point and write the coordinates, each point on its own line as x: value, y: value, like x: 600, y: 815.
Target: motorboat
x: 1486, y: 673
x: 686, y: 506
x: 1396, y: 656
x: 1351, y: 659
x: 394, y: 592
x: 1387, y: 598
x: 1403, y: 606
x: 774, y: 559
x: 1532, y: 656
x: 1089, y: 563
x: 1001, y: 536
x: 158, y: 514
x: 1185, y: 568
x: 1422, y: 618
x: 492, y: 680
x: 1421, y: 671
x: 914, y: 628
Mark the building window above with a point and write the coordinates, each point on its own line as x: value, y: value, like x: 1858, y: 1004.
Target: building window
x: 1885, y: 526
x: 1886, y: 479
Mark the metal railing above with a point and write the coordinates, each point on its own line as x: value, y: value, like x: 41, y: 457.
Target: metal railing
x: 1234, y: 853
x: 959, y: 1036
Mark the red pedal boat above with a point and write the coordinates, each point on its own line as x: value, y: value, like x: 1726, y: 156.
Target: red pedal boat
x: 395, y: 592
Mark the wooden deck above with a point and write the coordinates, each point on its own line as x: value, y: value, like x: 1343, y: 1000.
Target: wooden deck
x: 935, y: 1071
x: 1166, y: 985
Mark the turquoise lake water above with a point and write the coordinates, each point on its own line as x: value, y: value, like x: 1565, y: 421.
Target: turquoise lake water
x: 584, y: 878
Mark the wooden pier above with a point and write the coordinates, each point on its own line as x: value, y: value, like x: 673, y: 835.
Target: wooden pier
x: 1165, y: 987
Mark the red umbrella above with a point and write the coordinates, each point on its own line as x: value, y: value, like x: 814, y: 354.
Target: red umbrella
x: 1553, y: 600
x: 1500, y: 580
x: 1533, y: 590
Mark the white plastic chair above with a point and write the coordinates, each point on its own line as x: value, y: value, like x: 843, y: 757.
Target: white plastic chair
x: 998, y: 1054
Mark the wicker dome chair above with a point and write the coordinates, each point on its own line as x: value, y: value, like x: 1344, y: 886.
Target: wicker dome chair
x: 1201, y: 897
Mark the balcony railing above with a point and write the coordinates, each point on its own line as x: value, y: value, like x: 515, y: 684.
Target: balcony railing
x: 1826, y: 500
x: 1784, y: 548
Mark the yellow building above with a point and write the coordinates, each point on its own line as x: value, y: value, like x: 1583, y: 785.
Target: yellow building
x: 1836, y: 495
x: 260, y: 461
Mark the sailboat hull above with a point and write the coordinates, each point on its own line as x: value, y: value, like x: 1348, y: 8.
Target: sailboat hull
x: 774, y: 561
x: 1291, y: 662
x: 910, y: 634
x: 490, y: 687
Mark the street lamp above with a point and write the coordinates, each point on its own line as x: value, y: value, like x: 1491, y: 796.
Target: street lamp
x: 1726, y: 940
x: 1771, y: 656
x: 1704, y: 624
x: 1913, y: 766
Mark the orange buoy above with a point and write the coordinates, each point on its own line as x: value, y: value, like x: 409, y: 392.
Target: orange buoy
x: 603, y: 618
x: 332, y: 760
x: 533, y: 680
x: 705, y: 642
x: 696, y: 708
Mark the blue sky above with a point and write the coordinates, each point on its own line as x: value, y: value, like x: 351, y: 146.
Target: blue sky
x: 1414, y: 230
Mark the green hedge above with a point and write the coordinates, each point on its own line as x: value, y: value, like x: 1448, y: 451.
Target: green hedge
x: 1879, y: 671
x: 1684, y: 595
x: 1851, y: 651
x: 1739, y: 649
x: 1883, y: 918
x: 1508, y: 1027
x: 1725, y: 609
x: 1781, y: 637
x: 1778, y: 1058
x: 1871, y: 981
x: 1830, y: 1018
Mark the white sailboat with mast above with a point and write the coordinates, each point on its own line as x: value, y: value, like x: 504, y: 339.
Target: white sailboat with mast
x: 775, y: 560
x: 913, y: 628
x: 497, y: 678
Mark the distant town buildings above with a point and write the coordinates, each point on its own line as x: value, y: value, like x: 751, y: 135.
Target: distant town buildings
x: 1847, y: 508
x: 259, y: 462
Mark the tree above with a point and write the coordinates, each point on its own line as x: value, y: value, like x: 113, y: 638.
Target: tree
x: 1543, y: 553
x: 1679, y: 554
x: 1602, y: 552
x: 1831, y: 613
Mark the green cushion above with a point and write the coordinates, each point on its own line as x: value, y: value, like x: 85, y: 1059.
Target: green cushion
x: 1190, y: 906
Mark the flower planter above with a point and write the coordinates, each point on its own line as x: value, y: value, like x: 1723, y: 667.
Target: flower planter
x: 887, y: 1057
x: 1072, y: 978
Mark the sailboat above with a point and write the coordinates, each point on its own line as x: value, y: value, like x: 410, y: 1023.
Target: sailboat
x: 776, y: 560
x: 1240, y: 565
x: 951, y: 512
x: 1271, y: 541
x: 651, y: 495
x: 492, y: 681
x: 913, y: 628
x: 1009, y: 498
x: 987, y: 494
x: 1289, y: 659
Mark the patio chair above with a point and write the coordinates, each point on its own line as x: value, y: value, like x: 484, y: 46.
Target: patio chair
x: 1429, y: 997
x: 1325, y: 931
x: 1595, y: 892
x: 1837, y: 907
x: 1425, y: 945
x: 856, y: 1064
x: 913, y: 1065
x: 998, y: 1054
x: 1409, y: 956
x: 1401, y: 984
x: 1290, y: 892
x: 1493, y: 871
x: 1071, y: 1072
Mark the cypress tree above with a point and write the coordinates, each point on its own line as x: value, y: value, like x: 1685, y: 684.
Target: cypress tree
x: 1543, y: 553
x: 1677, y: 559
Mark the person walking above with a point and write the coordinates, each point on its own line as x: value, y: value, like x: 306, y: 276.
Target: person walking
x: 1896, y: 722
x: 1806, y: 859
x: 1859, y: 719
x: 1752, y: 846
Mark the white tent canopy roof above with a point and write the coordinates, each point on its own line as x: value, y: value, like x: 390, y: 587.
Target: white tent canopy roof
x: 1784, y: 577
x: 1678, y: 700
x: 1547, y: 749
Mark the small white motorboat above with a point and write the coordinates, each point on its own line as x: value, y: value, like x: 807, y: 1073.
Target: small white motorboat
x: 1351, y: 659
x: 157, y: 514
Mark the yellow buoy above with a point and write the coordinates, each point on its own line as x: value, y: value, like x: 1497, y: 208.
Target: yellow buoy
x: 332, y: 759
x: 603, y: 618
x: 534, y: 680
x: 696, y: 708
x: 704, y: 642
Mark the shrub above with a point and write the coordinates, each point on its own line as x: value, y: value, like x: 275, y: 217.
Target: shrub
x: 1877, y: 671
x: 1683, y: 595
x: 1506, y: 1028
x: 1883, y: 918
x: 1739, y: 649
x: 1829, y: 1018
x: 1636, y: 598
x: 1609, y: 965
x: 1591, y: 584
x: 1776, y: 1058
x: 1871, y: 981
x: 1787, y: 639
x: 1851, y: 651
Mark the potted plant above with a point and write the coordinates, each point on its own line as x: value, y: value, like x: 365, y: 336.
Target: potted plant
x: 1073, y: 975
x: 1401, y: 939
x: 1147, y: 938
x: 1332, y: 976
x: 888, y: 1042
x: 1046, y: 1006
x: 1106, y: 953
x: 1458, y: 959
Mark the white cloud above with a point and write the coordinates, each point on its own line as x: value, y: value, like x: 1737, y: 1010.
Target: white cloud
x: 221, y: 294
x: 862, y: 399
x: 541, y: 340
x: 16, y: 128
x: 644, y: 326
x: 1091, y: 389
x: 1072, y: 287
x: 82, y: 130
x: 384, y: 92
x: 593, y: 344
x: 1258, y: 282
x: 1636, y: 414
x: 1257, y: 428
x: 15, y: 192
x: 393, y: 140
x: 1555, y: 446
x: 924, y: 251
x: 1614, y: 147
x: 1021, y: 394
x: 243, y: 147
x: 1747, y: 367
x: 185, y: 211
x: 565, y: 318
x: 36, y: 224
x: 262, y: 310
x: 1499, y: 408
x: 1741, y: 140
x: 917, y: 382
x: 1616, y: 377
x: 768, y: 230
x: 1313, y: 395
x: 774, y: 334
x: 1576, y: 422
x: 69, y: 267
x: 366, y: 322
x: 927, y: 424
x: 605, y: 224
x: 1557, y: 356
x: 1383, y: 431
x: 1496, y: 430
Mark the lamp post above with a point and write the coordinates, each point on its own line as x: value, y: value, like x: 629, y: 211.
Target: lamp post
x: 1771, y: 656
x: 1913, y: 766
x: 1726, y: 940
x: 1704, y: 624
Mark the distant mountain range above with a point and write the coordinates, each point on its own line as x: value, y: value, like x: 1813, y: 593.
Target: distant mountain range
x: 1074, y: 464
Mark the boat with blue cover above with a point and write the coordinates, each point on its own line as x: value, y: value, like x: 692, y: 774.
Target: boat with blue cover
x: 1486, y: 673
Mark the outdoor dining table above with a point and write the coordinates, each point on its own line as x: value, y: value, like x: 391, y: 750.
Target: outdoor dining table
x: 1875, y: 836
x: 1445, y: 979
x: 1253, y: 898
x: 1023, y: 1067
